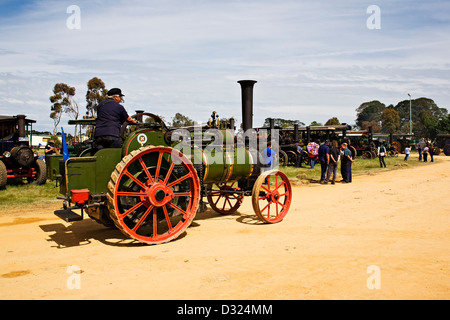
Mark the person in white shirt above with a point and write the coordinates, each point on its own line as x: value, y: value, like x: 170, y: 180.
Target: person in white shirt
x: 407, y: 152
x: 425, y: 154
x: 381, y: 155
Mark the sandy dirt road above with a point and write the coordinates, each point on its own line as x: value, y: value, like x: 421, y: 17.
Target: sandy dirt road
x: 391, y: 229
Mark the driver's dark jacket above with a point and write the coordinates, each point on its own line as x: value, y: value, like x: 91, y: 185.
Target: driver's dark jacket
x: 110, y: 117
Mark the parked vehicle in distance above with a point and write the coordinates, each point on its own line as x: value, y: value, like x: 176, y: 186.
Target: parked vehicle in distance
x: 17, y: 159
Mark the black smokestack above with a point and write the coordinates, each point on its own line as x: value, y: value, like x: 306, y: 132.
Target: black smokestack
x: 296, y: 133
x: 21, y: 125
x: 139, y: 118
x: 247, y: 103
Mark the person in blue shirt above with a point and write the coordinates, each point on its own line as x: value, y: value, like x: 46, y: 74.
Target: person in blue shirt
x: 299, y: 154
x: 268, y: 155
x: 324, y: 159
x: 110, y: 117
x: 50, y: 148
x: 335, y: 157
x: 346, y: 164
x: 419, y: 149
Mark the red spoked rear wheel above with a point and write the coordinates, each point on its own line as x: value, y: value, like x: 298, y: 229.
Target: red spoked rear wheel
x: 154, y: 194
x: 272, y: 196
x: 224, y: 197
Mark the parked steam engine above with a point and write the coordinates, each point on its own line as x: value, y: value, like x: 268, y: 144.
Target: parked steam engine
x: 153, y: 186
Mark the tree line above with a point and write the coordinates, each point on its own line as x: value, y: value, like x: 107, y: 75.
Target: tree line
x: 284, y: 123
x: 428, y: 119
x: 63, y: 102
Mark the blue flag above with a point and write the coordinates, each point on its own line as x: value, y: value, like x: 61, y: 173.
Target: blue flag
x: 64, y: 146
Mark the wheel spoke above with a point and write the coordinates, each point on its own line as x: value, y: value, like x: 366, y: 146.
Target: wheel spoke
x: 142, y: 219
x: 282, y: 183
x: 166, y: 214
x: 128, y: 194
x: 158, y: 166
x: 144, y: 166
x: 169, y: 172
x: 224, y: 204
x: 265, y: 207
x: 155, y: 224
x: 235, y: 196
x: 189, y: 175
x: 229, y: 202
x: 215, y: 203
x: 134, y: 208
x: 282, y: 206
x: 182, y: 194
x: 129, y: 175
x: 185, y: 214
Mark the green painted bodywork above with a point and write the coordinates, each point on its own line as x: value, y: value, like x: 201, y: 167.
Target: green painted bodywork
x: 52, y: 163
x: 135, y: 140
x: 222, y: 166
x: 94, y: 172
x: 91, y: 173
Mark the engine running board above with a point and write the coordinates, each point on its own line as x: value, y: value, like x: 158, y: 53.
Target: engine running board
x: 68, y: 215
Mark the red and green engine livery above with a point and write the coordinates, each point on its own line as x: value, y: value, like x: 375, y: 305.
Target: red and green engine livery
x: 153, y: 186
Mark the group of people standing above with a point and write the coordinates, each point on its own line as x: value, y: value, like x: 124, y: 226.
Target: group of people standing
x: 328, y: 155
x: 424, y: 151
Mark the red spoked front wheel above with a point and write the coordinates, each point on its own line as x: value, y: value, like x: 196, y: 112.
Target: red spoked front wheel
x: 154, y: 194
x: 224, y: 197
x: 272, y: 196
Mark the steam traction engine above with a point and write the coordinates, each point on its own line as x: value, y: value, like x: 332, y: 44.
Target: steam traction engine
x: 151, y: 191
x: 17, y: 159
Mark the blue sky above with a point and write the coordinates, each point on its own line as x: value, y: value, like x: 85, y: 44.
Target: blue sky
x: 313, y: 60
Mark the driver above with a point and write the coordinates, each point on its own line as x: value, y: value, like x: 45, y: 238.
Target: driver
x: 110, y: 117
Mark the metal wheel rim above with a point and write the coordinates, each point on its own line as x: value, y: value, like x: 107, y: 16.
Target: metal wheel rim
x: 271, y: 203
x: 153, y: 198
x: 222, y: 199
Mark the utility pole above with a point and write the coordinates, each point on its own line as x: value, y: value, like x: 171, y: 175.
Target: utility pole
x: 410, y: 117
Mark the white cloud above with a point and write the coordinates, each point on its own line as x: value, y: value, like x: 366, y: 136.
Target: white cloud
x: 12, y: 101
x: 312, y: 60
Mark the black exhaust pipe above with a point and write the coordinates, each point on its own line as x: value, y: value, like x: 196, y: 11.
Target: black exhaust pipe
x: 247, y: 103
x: 21, y: 125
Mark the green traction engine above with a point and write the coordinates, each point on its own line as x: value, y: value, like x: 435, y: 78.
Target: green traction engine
x: 152, y: 188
